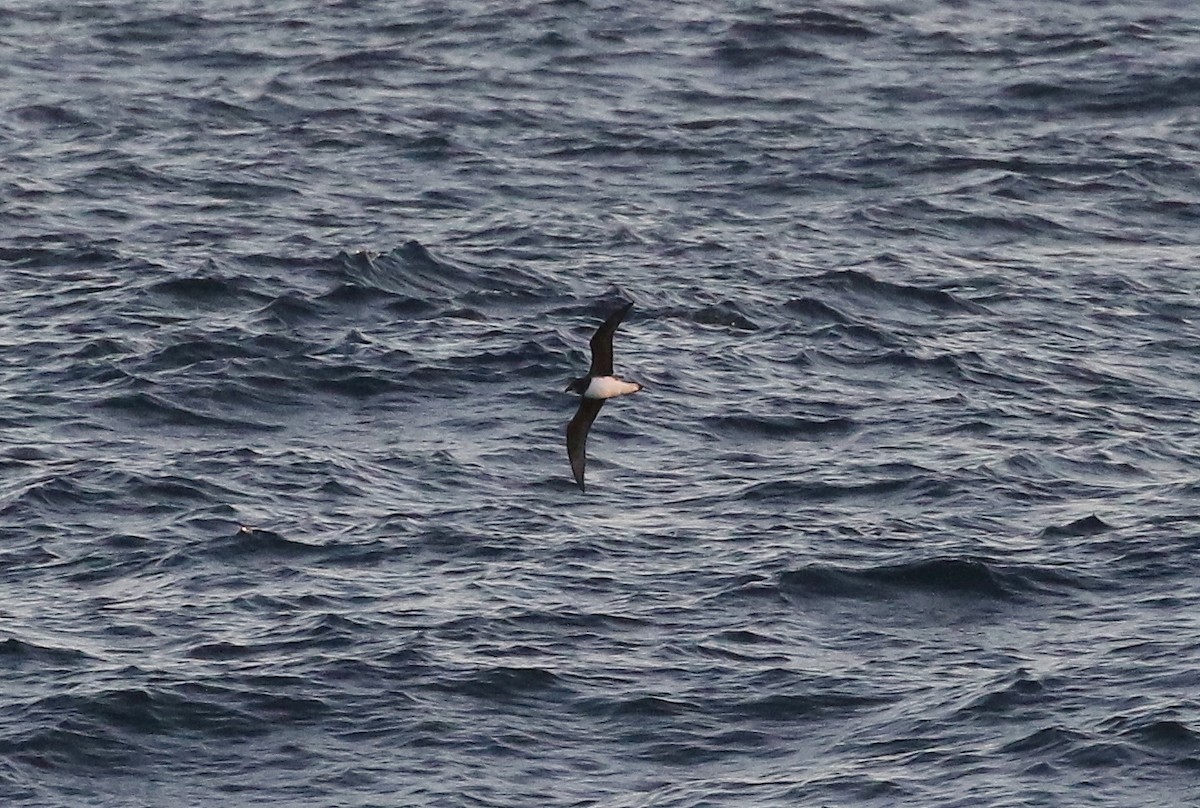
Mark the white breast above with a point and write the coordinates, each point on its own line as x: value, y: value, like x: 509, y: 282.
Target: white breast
x: 610, y: 387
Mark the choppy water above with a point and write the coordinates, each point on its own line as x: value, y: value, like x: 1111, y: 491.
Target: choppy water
x: 907, y: 513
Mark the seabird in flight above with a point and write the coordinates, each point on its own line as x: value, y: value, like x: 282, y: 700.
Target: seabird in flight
x: 599, y: 384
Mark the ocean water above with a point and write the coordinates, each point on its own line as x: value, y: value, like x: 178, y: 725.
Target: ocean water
x: 907, y: 513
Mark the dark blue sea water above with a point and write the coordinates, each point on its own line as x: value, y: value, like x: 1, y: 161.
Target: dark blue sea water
x: 907, y: 514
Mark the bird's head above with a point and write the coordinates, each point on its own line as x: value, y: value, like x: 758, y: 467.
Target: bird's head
x: 578, y: 385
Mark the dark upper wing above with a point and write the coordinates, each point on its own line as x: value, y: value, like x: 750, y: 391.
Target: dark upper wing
x: 577, y: 432
x: 602, y: 353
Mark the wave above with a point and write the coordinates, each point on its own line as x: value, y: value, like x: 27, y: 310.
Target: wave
x: 907, y: 481
x: 779, y: 426
x: 256, y: 542
x: 160, y: 29
x: 412, y: 271
x: 957, y: 365
x: 1162, y: 732
x: 209, y: 290
x: 17, y: 653
x: 290, y: 309
x: 816, y: 310
x: 1010, y: 692
x: 117, y: 729
x: 735, y: 52
x: 501, y: 683
x: 156, y: 409
x: 773, y: 39
x: 42, y: 256
x: 1126, y: 93
x: 725, y: 314
x: 953, y: 576
x: 1085, y: 526
x: 927, y: 298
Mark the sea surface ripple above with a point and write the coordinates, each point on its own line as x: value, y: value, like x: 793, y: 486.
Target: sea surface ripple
x: 907, y: 513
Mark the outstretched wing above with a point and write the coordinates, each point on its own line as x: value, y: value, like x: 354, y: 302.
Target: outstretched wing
x: 602, y: 350
x: 577, y: 432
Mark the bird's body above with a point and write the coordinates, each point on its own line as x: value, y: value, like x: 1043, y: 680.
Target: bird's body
x: 603, y: 387
x: 594, y: 389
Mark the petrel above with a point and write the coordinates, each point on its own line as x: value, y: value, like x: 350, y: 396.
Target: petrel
x: 594, y: 388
